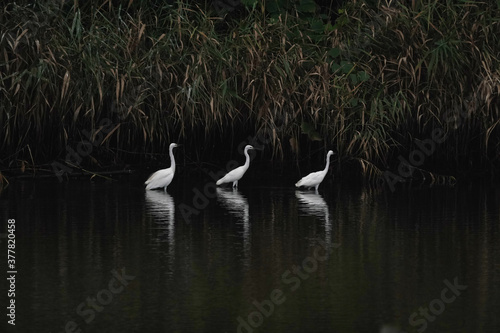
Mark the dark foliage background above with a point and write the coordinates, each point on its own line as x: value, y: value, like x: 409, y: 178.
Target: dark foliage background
x: 369, y: 79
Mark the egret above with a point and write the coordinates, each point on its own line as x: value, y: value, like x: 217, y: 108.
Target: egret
x: 236, y: 174
x: 315, y: 178
x: 163, y: 177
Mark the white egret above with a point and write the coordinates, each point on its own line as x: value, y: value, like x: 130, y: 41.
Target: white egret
x: 236, y: 174
x: 163, y: 177
x: 315, y: 178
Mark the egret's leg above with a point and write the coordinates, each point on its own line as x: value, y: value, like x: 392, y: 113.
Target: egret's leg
x: 317, y: 187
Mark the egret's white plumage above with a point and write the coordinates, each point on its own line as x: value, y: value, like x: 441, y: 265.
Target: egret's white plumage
x: 315, y: 178
x: 236, y: 174
x: 163, y: 177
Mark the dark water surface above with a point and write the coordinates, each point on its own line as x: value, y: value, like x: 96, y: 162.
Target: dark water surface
x: 343, y: 260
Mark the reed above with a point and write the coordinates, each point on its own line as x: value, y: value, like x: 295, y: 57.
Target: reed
x: 371, y: 84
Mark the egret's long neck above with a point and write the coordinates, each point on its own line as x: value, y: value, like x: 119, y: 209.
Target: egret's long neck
x: 327, y: 164
x: 247, y: 161
x: 172, y: 159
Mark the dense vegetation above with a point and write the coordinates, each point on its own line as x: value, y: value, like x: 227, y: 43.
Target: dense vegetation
x: 116, y: 82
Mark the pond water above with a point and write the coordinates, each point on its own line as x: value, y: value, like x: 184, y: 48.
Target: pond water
x: 107, y: 256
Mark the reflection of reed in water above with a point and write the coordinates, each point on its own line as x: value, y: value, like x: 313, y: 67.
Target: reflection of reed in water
x: 161, y: 205
x: 314, y: 204
x: 237, y: 205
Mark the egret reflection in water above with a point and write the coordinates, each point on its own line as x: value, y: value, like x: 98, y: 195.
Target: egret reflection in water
x: 312, y: 203
x: 237, y: 205
x: 162, y: 207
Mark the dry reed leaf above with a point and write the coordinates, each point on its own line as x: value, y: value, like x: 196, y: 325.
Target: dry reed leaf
x: 52, y: 57
x: 122, y: 87
x: 110, y: 133
x: 117, y: 92
x: 6, y: 60
x: 141, y: 32
x: 99, y: 88
x: 18, y: 39
x: 77, y: 112
x: 488, y: 133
